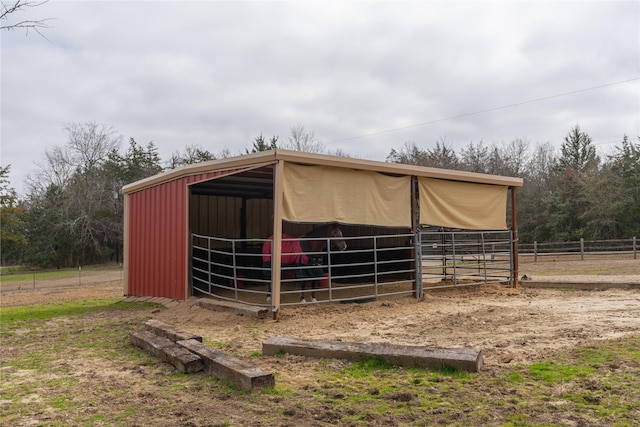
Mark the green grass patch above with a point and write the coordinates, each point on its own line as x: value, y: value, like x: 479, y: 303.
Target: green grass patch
x: 514, y: 377
x: 125, y: 414
x: 367, y: 367
x: 36, y: 360
x: 66, y: 309
x: 626, y: 350
x: 552, y: 372
x: 120, y: 385
x: 63, y: 402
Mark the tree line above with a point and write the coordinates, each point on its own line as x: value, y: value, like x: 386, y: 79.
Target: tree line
x: 72, y: 213
x: 568, y: 194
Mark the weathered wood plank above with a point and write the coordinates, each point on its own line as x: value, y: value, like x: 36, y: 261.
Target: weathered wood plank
x: 236, y: 371
x: 237, y: 308
x: 168, y: 351
x: 464, y: 359
x: 169, y: 331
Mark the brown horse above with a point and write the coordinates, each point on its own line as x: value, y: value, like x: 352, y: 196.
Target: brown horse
x: 305, y: 252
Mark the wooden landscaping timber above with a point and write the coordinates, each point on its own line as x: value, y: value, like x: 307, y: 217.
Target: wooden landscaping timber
x: 236, y: 371
x: 234, y: 307
x: 169, y: 331
x: 168, y: 351
x: 409, y: 356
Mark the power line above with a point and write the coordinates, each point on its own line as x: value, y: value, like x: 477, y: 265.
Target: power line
x: 486, y: 110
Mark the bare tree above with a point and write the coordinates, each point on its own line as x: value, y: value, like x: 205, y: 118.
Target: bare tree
x: 54, y: 170
x: 301, y: 139
x: 508, y: 159
x: 11, y: 8
x: 339, y: 152
x: 90, y: 144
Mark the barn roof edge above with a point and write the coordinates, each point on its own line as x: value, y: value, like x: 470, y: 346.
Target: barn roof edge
x: 273, y: 156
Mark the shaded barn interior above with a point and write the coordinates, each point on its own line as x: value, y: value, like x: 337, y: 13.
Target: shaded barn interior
x: 240, y: 207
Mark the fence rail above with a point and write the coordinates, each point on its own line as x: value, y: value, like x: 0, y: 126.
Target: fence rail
x: 580, y: 248
x: 371, y: 266
x: 453, y: 258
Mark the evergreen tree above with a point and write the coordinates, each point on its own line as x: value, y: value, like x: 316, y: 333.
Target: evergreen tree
x: 192, y: 154
x: 261, y: 144
x: 625, y: 165
x: 578, y: 152
x: 440, y: 156
x: 408, y: 154
x: 475, y: 157
x: 12, y: 238
x: 48, y: 245
x: 577, y: 163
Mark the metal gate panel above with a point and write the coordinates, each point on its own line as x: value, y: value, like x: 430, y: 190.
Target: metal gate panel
x: 451, y: 258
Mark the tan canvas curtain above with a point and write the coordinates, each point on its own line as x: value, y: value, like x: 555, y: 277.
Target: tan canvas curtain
x: 463, y: 205
x: 324, y: 193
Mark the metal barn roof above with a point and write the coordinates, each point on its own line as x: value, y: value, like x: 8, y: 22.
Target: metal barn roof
x: 264, y: 179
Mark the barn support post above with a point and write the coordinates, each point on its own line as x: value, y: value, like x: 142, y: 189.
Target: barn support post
x: 243, y: 224
x: 418, y: 267
x: 417, y: 245
x: 514, y: 240
x: 276, y: 246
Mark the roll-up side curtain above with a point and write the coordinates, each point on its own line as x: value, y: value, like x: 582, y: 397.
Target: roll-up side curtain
x: 325, y: 193
x: 463, y: 205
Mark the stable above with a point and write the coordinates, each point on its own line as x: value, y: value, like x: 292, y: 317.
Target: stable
x: 199, y: 228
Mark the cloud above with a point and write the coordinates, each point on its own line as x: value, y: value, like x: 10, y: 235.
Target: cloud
x: 218, y: 74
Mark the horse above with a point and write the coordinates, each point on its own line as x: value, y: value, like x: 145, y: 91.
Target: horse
x: 303, y: 251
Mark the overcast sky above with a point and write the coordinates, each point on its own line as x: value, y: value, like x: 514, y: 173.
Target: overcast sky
x: 365, y: 77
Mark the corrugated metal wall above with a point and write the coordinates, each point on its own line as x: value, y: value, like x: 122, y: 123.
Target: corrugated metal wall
x: 158, y: 238
x: 217, y: 216
x: 162, y: 218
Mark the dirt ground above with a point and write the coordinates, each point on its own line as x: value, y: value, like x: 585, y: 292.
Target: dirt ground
x: 508, y: 325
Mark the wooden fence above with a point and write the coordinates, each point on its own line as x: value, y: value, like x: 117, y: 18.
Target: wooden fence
x: 580, y: 248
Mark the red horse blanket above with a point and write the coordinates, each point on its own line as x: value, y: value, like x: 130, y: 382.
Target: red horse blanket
x: 292, y: 253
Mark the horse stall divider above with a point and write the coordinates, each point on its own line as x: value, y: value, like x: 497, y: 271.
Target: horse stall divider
x: 371, y: 267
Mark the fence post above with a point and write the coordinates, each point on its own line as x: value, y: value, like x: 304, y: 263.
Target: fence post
x: 582, y: 249
x: 635, y: 251
x: 535, y: 251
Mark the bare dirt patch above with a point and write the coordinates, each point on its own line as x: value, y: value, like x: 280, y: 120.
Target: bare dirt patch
x: 508, y: 325
x: 511, y: 327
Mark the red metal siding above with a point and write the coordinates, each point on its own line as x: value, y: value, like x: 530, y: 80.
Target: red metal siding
x: 158, y: 241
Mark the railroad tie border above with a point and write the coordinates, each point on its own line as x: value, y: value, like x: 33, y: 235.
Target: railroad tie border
x: 464, y: 359
x: 188, y: 354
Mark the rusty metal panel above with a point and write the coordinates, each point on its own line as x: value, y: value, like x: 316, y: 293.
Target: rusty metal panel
x: 158, y: 238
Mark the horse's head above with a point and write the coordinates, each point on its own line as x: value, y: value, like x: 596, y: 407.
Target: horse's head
x: 337, y: 240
